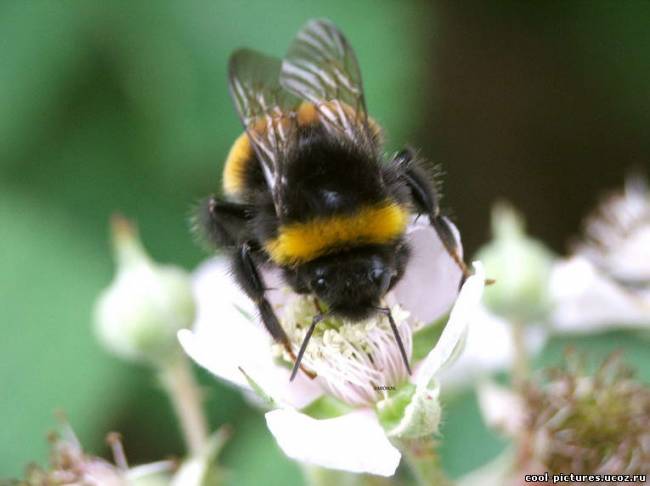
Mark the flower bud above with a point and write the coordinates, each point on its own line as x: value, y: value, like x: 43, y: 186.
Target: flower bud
x: 521, y: 267
x: 138, y: 315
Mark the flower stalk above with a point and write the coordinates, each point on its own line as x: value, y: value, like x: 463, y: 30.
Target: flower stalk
x: 185, y: 395
x: 423, y: 460
x: 320, y: 476
x: 520, y: 365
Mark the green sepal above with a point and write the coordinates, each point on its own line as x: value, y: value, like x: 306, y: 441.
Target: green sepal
x: 259, y: 391
x: 411, y: 412
x: 390, y: 411
x: 326, y: 407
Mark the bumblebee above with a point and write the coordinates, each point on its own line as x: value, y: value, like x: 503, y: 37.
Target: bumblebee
x: 308, y: 189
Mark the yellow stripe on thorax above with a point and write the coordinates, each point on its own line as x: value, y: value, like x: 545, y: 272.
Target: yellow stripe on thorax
x: 301, y: 242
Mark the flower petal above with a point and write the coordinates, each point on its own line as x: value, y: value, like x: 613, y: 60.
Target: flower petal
x: 353, y: 442
x: 587, y: 301
x: 224, y: 339
x: 219, y: 296
x: 430, y: 284
x: 446, y: 349
x: 489, y: 348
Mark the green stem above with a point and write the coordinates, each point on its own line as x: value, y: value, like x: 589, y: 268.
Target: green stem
x: 184, y: 393
x: 318, y: 476
x: 423, y: 460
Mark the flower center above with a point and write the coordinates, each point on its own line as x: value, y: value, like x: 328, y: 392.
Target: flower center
x: 359, y: 362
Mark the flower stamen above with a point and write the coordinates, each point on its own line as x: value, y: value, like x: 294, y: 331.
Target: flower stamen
x: 356, y: 361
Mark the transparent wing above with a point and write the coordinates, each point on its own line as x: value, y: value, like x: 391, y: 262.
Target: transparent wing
x: 266, y: 110
x: 322, y: 68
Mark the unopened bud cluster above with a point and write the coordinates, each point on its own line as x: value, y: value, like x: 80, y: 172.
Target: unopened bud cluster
x: 590, y: 424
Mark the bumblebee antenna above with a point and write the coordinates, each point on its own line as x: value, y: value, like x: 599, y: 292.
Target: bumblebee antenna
x: 400, y: 345
x: 303, y: 346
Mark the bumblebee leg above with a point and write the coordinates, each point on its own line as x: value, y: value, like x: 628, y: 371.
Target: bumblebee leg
x: 398, y: 339
x: 250, y: 280
x: 303, y: 347
x: 224, y: 224
x: 426, y: 200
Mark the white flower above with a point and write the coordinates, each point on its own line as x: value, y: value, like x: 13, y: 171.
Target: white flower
x: 606, y: 284
x: 227, y: 339
x: 353, y: 361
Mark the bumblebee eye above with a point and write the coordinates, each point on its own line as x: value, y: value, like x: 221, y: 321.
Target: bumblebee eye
x: 319, y: 284
x: 376, y: 275
x: 381, y: 278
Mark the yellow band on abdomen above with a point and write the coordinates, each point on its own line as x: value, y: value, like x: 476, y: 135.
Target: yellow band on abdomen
x: 302, y: 242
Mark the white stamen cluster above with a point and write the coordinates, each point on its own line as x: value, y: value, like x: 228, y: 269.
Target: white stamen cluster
x: 618, y: 234
x: 358, y: 362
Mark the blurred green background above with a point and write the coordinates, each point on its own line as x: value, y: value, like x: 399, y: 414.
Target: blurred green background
x: 123, y: 106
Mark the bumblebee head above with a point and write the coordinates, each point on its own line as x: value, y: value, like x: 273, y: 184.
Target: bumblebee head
x: 353, y: 282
